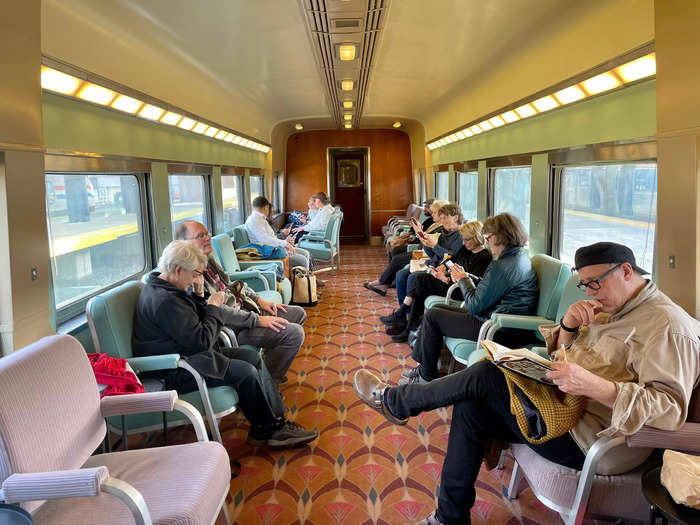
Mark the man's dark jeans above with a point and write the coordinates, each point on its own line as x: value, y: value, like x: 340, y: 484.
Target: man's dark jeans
x: 481, y: 412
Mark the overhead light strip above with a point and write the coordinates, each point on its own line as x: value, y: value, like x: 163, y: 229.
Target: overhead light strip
x: 638, y: 69
x: 78, y: 88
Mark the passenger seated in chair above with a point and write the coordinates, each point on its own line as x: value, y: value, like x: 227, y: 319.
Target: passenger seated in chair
x: 473, y: 257
x: 260, y: 232
x: 632, y: 352
x: 399, y: 260
x: 303, y: 218
x: 276, y: 328
x: 509, y: 286
x: 171, y: 320
x: 320, y: 219
x: 398, y: 244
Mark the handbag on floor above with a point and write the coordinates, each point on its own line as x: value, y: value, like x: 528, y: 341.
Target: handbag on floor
x: 303, y: 287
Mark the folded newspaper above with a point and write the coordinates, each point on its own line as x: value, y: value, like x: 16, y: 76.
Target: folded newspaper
x: 521, y: 361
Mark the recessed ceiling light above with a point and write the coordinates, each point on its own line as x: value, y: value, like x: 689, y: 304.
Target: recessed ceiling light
x: 600, y: 83
x: 476, y: 129
x: 96, y: 94
x: 200, y: 127
x: 151, y: 112
x: 496, y: 121
x: 126, y: 104
x: 346, y: 85
x: 347, y: 51
x: 186, y: 123
x: 347, y: 104
x: 60, y: 82
x: 298, y: 126
x: 570, y: 94
x: 237, y: 139
x: 229, y: 137
x: 525, y: 111
x: 641, y: 68
x: 170, y: 118
x: 348, y: 125
x: 545, y: 103
x: 485, y: 125
x: 397, y: 124
x: 460, y: 135
x: 211, y: 131
x: 510, y: 116
x: 221, y: 135
x: 468, y: 132
x: 347, y: 116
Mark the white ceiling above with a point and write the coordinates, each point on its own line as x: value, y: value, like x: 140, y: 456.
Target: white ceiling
x: 248, y: 64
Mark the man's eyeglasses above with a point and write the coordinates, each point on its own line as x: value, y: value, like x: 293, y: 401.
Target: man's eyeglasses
x: 594, y: 284
x: 197, y: 272
x: 201, y: 236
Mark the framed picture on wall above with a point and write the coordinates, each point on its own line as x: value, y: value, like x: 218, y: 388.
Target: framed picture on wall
x: 349, y: 173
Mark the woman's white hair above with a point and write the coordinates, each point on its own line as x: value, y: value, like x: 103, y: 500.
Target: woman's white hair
x: 182, y: 254
x: 438, y: 203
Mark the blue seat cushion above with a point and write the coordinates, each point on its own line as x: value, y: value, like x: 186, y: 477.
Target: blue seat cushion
x: 432, y: 300
x: 318, y: 250
x: 461, y: 349
x: 271, y: 295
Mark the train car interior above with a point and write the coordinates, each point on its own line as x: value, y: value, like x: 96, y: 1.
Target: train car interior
x: 349, y: 261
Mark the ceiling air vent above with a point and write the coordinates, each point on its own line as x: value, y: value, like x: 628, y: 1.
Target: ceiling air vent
x: 345, y: 23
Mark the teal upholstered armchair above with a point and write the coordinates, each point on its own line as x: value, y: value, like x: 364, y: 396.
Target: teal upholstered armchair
x: 325, y: 247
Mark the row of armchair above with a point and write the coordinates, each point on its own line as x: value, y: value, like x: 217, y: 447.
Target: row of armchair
x: 571, y: 493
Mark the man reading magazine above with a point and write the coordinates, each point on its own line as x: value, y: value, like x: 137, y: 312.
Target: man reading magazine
x: 630, y: 351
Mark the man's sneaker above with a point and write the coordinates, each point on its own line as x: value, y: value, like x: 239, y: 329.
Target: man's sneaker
x: 288, y: 435
x: 370, y: 389
x: 410, y: 372
x: 413, y: 380
x: 395, y: 329
x: 430, y: 519
x: 395, y: 317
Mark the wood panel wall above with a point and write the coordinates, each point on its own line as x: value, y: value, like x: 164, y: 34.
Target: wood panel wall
x: 390, y: 168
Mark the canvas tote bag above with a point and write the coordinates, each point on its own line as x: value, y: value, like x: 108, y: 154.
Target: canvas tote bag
x: 303, y: 287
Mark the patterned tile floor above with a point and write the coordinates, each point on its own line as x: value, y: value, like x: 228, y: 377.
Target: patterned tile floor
x: 361, y: 470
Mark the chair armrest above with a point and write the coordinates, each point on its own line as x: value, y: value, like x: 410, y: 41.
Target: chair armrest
x: 252, y: 265
x: 450, y: 291
x: 138, y: 403
x: 36, y: 486
x: 523, y: 322
x: 686, y: 438
x: 153, y: 362
x: 249, y: 275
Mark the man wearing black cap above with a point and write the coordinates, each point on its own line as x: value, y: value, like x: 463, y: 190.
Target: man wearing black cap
x: 629, y: 349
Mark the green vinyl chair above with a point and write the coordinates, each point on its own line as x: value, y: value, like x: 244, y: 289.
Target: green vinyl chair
x: 326, y: 248
x: 110, y: 317
x: 251, y: 272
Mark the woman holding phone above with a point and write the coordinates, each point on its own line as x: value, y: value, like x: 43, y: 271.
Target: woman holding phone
x: 509, y: 286
x: 473, y: 257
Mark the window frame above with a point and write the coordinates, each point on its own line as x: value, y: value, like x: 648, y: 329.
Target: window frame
x: 250, y: 185
x: 277, y: 182
x: 77, y: 307
x: 207, y: 204
x: 436, y: 184
x: 422, y: 188
x: 557, y: 214
x: 241, y: 200
x: 458, y: 196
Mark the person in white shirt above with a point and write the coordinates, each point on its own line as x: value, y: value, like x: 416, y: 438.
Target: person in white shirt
x: 260, y: 232
x: 313, y: 209
x: 321, y: 217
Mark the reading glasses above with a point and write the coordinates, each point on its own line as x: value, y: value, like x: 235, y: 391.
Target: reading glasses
x: 594, y: 284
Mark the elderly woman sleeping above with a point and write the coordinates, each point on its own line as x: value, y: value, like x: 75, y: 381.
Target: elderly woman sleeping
x: 170, y: 319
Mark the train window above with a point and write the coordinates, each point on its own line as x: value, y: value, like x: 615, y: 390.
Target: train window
x: 257, y: 186
x: 442, y: 185
x: 277, y: 193
x: 614, y: 202
x: 187, y: 199
x: 422, y: 189
x: 467, y: 192
x: 511, y: 193
x: 96, y: 235
x: 232, y: 195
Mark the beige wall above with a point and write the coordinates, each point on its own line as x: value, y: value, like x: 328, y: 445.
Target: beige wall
x: 24, y: 303
x: 678, y: 120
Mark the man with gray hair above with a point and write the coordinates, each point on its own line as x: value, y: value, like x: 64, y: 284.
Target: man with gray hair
x: 277, y: 329
x: 171, y: 320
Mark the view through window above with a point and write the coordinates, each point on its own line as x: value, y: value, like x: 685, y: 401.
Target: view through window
x: 467, y: 191
x: 511, y: 193
x: 615, y: 202
x: 442, y: 185
x: 96, y: 235
x: 231, y: 196
x: 187, y: 199
x: 257, y: 186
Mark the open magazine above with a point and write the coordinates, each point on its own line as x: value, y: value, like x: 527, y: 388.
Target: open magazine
x: 521, y: 361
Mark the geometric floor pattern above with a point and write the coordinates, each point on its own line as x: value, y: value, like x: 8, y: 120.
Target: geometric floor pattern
x: 361, y: 469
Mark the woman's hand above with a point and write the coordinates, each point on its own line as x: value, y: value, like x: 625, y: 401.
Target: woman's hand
x: 457, y: 273
x: 428, y: 241
x: 216, y: 299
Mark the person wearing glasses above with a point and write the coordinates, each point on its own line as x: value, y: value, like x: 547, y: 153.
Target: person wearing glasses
x: 628, y: 348
x: 278, y: 328
x: 171, y: 320
x: 509, y: 286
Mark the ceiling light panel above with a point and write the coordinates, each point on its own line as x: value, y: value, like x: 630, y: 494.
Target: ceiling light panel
x: 171, y: 118
x: 485, y: 125
x: 151, y: 112
x: 200, y: 127
x: 186, y: 123
x: 569, y: 95
x: 467, y: 132
x: 59, y: 82
x: 347, y: 104
x: 347, y: 85
x: 237, y: 139
x: 126, y: 104
x: 221, y: 135
x: 298, y: 127
x: 475, y: 129
x: 211, y: 131
x: 641, y: 68
x: 96, y: 94
x: 510, y: 116
x: 348, y: 125
x: 600, y: 83
x: 347, y: 52
x: 526, y: 110
x: 396, y: 124
x: 461, y: 135
x: 545, y: 103
x: 347, y: 116
x: 229, y: 137
x: 496, y: 122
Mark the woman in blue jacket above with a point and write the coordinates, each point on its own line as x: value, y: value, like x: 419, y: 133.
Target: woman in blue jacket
x: 509, y: 286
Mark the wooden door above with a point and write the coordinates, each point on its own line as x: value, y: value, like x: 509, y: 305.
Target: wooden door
x: 350, y: 193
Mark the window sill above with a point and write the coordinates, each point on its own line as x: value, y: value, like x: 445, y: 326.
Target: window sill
x: 73, y: 324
